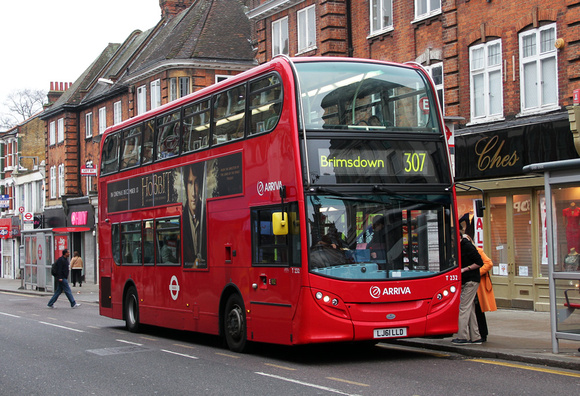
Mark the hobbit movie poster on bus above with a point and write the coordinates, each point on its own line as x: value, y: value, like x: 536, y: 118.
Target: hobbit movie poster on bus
x: 191, y: 185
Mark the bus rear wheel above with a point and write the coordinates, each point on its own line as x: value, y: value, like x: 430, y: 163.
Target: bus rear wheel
x: 235, y: 324
x: 132, y: 310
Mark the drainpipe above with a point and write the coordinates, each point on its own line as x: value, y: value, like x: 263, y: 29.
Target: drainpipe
x: 349, y: 29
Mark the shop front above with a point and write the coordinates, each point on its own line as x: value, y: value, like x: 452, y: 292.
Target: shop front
x: 513, y: 230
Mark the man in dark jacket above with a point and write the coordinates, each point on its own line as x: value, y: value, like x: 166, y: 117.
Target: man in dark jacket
x: 471, y: 261
x: 62, y: 281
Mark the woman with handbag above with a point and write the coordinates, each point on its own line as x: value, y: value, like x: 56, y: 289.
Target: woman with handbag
x: 76, y: 266
x: 485, y: 300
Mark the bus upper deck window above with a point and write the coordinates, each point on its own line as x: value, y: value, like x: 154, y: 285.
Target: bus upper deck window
x: 196, y: 121
x: 168, y: 131
x: 265, y: 104
x: 110, y: 155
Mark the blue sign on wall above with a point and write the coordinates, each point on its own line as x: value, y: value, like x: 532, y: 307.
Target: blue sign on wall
x: 4, y: 201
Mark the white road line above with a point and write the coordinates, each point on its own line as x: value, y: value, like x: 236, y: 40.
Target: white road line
x: 62, y: 327
x: 325, y: 388
x: 7, y: 314
x: 129, y: 342
x: 179, y: 354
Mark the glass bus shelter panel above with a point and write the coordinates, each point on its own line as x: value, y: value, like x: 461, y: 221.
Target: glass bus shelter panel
x: 568, y: 305
x: 566, y: 226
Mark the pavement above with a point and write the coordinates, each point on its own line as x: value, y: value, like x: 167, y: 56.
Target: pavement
x: 514, y: 335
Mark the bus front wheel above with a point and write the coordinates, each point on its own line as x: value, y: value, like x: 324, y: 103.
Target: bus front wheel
x: 132, y: 310
x: 235, y: 324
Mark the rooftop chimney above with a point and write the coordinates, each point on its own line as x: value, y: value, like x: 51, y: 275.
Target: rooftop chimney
x: 170, y: 8
x: 56, y: 90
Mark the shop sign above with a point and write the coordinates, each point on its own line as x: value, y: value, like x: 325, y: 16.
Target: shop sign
x: 4, y: 201
x: 504, y: 153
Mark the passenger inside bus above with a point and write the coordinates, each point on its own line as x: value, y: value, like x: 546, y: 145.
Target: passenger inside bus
x: 377, y: 243
x: 326, y: 254
x: 169, y: 249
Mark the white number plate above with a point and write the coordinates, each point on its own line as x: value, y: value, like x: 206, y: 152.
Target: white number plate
x: 391, y: 333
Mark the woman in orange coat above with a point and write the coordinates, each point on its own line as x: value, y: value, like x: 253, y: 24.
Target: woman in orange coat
x: 485, y: 300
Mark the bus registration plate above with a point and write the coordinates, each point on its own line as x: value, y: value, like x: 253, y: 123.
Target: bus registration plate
x: 391, y: 333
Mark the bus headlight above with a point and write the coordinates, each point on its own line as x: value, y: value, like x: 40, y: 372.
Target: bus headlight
x: 331, y: 303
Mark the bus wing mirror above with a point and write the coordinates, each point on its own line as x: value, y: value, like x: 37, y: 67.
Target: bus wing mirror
x: 280, y: 223
x: 479, y: 208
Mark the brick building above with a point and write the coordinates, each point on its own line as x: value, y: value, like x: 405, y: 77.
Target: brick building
x: 195, y: 44
x: 22, y: 162
x: 505, y: 73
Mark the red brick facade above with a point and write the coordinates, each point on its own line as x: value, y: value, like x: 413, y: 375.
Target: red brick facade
x: 445, y: 36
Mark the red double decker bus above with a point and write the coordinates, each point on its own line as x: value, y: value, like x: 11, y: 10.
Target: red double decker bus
x: 306, y: 200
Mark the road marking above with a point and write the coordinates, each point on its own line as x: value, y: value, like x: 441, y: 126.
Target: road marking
x: 413, y: 349
x: 62, y: 327
x: 148, y: 338
x: 347, y: 381
x: 521, y: 366
x: 325, y: 388
x: 280, y: 367
x: 184, y: 346
x: 227, y: 355
x: 179, y: 354
x: 7, y: 314
x: 129, y: 342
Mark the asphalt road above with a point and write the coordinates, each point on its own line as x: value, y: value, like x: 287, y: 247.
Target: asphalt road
x: 66, y: 351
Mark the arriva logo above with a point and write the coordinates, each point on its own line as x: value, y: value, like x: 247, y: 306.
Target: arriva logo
x: 268, y: 186
x: 375, y: 291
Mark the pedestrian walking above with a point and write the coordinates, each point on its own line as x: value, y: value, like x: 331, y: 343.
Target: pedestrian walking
x: 62, y: 281
x: 471, y: 261
x: 76, y: 267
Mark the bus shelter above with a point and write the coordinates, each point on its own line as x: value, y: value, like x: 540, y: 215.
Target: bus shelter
x: 560, y: 212
x: 40, y: 248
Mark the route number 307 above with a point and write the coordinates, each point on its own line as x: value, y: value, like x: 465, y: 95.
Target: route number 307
x: 414, y: 162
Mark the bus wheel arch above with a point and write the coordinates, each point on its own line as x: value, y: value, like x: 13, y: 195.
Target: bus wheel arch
x: 233, y: 320
x: 131, y: 308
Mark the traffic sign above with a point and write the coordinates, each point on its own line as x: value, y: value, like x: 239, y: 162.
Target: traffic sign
x: 28, y: 216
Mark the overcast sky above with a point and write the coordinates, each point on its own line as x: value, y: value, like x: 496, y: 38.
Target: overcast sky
x: 56, y: 40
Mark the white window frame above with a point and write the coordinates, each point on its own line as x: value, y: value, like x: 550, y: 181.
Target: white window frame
x: 542, y: 86
x: 61, y: 180
x: 14, y: 153
x: 430, y: 9
x: 173, y: 90
x: 102, y: 120
x: 155, y: 94
x: 117, y: 112
x: 439, y: 86
x: 89, y: 179
x: 89, y: 125
x: 52, y: 182
x: 141, y: 99
x: 306, y: 33
x: 52, y: 133
x: 487, y: 73
x: 379, y: 10
x: 221, y: 77
x: 279, y: 35
x: 184, y: 82
x: 60, y: 130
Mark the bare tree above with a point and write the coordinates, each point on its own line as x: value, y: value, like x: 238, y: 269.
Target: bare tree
x: 22, y: 105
